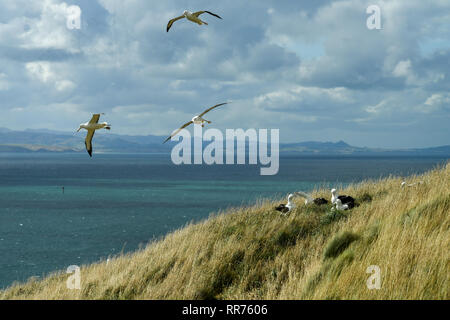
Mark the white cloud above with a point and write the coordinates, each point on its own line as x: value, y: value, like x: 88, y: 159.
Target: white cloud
x: 43, y: 72
x: 436, y: 102
x: 304, y: 99
x: 404, y: 69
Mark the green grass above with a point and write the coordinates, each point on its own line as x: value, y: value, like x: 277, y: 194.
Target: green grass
x: 339, y: 243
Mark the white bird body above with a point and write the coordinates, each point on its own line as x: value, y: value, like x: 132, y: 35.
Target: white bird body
x: 199, y: 120
x: 345, y: 200
x: 334, y: 196
x: 340, y: 206
x: 191, y: 17
x: 93, y: 126
x: 290, y: 205
x: 286, y: 208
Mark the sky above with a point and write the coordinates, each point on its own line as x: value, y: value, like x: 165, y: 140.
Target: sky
x: 312, y: 69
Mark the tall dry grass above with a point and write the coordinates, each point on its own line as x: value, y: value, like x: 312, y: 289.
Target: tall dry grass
x: 254, y: 253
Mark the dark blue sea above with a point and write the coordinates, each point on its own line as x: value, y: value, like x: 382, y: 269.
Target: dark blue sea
x: 116, y: 203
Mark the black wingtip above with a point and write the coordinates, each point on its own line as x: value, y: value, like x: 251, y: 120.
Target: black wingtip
x: 213, y: 14
x: 216, y: 15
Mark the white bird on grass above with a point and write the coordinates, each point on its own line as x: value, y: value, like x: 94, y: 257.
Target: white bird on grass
x: 346, y: 200
x: 194, y: 17
x: 285, y: 208
x: 195, y: 120
x: 91, y: 126
x: 340, y: 206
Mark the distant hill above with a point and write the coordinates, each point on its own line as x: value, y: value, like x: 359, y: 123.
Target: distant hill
x: 342, y: 148
x: 34, y: 140
x: 43, y: 140
x: 314, y: 147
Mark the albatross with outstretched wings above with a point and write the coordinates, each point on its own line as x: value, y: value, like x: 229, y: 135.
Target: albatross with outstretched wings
x: 196, y: 120
x: 194, y: 17
x: 310, y: 200
x: 91, y: 126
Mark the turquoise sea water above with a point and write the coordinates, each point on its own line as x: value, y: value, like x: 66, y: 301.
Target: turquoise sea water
x: 115, y: 202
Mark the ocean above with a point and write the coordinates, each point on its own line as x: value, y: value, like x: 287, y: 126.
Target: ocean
x: 117, y: 203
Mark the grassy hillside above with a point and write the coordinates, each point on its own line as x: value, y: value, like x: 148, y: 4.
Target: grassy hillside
x: 254, y: 253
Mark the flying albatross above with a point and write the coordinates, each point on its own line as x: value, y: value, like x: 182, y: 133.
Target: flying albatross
x: 194, y: 17
x: 345, y: 200
x: 285, y: 208
x: 195, y: 120
x: 310, y: 200
x: 91, y: 126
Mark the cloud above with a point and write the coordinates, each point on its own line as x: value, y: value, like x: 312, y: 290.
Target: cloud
x: 43, y: 72
x: 287, y: 65
x: 437, y: 101
x: 403, y: 69
x: 306, y: 100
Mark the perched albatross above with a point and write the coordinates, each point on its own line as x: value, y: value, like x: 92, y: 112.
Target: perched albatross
x: 340, y: 206
x: 91, y: 126
x: 194, y: 17
x: 346, y: 200
x: 196, y: 120
x: 309, y: 199
x: 285, y: 208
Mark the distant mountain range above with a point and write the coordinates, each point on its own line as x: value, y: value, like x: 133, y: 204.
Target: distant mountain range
x: 57, y: 141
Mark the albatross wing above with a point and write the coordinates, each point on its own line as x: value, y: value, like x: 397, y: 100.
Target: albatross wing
x: 201, y: 12
x: 95, y: 118
x: 178, y: 130
x: 88, y: 141
x: 169, y: 25
x: 208, y: 110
